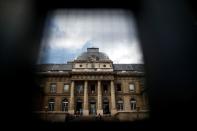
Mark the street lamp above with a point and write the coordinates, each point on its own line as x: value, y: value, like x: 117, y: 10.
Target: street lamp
x: 46, y: 110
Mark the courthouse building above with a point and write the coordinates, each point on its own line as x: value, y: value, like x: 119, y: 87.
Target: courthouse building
x: 89, y: 85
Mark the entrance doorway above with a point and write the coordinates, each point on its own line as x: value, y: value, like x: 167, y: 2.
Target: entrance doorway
x: 79, y: 107
x: 92, y: 108
x: 106, y: 108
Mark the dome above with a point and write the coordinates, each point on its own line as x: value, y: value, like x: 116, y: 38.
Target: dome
x: 93, y: 54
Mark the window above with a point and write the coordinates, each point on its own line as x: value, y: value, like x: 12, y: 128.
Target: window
x: 79, y: 88
x: 133, y: 104
x: 120, y: 105
x: 92, y: 88
x: 80, y: 65
x: 65, y: 105
x: 104, y: 65
x: 51, y: 104
x: 66, y: 87
x: 131, y: 88
x: 53, y: 88
x: 118, y: 87
x: 105, y: 88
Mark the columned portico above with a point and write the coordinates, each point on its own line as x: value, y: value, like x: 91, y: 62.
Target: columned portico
x: 99, y: 99
x: 113, y: 101
x: 71, y: 109
x: 85, y: 106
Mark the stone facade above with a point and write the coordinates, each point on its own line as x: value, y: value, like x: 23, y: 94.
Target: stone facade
x: 92, y: 85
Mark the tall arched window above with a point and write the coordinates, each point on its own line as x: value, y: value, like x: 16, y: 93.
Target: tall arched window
x: 120, y: 104
x: 133, y: 104
x: 92, y: 88
x: 79, y: 89
x: 105, y: 88
x: 51, y: 104
x: 65, y: 105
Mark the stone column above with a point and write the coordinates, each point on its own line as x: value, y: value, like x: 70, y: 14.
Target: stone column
x: 99, y: 99
x: 72, y: 100
x: 113, y: 101
x: 85, y: 104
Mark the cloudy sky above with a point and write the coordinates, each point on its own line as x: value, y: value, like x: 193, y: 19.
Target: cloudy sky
x: 68, y: 33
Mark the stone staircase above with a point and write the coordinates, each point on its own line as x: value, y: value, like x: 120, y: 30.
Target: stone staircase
x: 95, y: 119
